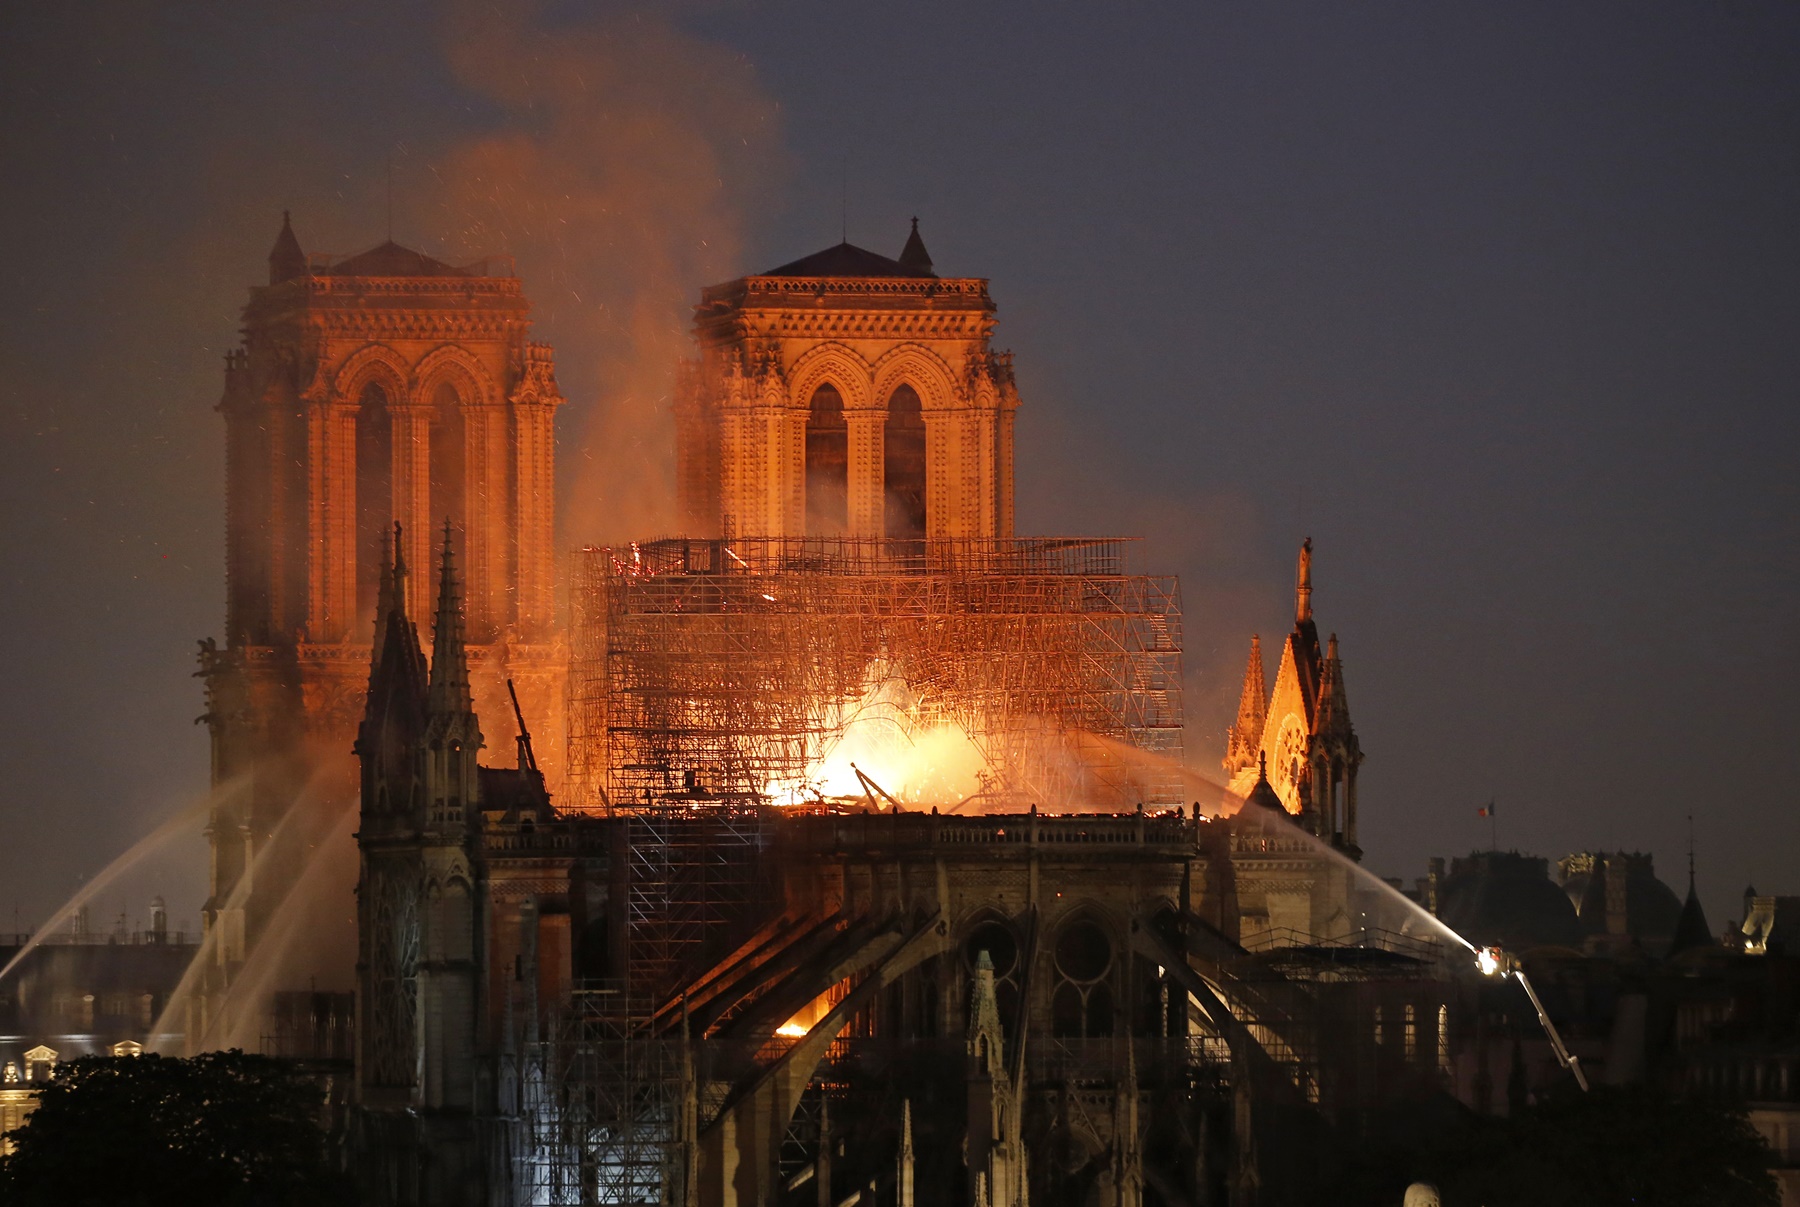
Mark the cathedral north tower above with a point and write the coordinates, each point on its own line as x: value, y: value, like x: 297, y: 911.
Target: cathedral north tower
x: 847, y: 395
x: 380, y: 389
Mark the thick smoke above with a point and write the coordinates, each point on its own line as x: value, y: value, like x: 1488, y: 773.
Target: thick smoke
x: 627, y: 154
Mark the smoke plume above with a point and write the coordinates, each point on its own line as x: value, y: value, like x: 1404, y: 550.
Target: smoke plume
x: 627, y: 153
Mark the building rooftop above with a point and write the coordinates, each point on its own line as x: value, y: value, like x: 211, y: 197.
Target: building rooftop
x: 849, y: 260
x: 392, y: 260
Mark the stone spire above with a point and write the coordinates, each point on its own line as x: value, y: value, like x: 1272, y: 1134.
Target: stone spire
x: 914, y: 255
x: 991, y: 1118
x: 286, y: 260
x: 1691, y: 930
x: 986, y: 1036
x: 1333, y: 717
x: 1303, y: 584
x: 903, y: 1176
x: 1245, y: 738
x: 449, y: 650
x: 386, y: 587
x: 394, y: 711
x: 396, y: 663
x: 1263, y: 794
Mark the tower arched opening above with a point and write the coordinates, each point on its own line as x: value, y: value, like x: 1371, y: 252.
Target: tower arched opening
x: 447, y: 449
x: 374, y: 501
x: 827, y: 464
x: 903, y: 466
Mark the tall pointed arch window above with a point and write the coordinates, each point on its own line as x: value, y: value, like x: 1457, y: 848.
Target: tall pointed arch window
x: 903, y: 466
x: 374, y: 503
x: 1082, y: 1004
x: 447, y: 445
x: 827, y: 464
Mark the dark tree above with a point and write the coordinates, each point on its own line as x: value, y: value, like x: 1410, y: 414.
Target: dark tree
x: 1613, y: 1146
x: 221, y: 1128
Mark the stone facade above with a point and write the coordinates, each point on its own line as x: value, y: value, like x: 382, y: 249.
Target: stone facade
x: 386, y: 388
x: 847, y: 395
x: 1300, y: 734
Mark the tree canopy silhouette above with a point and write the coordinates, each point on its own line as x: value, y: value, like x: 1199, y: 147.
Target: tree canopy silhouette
x: 222, y: 1128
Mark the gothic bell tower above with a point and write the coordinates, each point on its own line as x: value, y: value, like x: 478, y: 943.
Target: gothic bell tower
x: 847, y: 395
x: 382, y: 389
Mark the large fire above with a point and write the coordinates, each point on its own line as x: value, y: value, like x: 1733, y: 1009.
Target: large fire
x: 887, y: 737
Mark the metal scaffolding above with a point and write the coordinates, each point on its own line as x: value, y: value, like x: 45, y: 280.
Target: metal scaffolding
x: 725, y: 666
x: 603, y: 1106
x: 695, y: 881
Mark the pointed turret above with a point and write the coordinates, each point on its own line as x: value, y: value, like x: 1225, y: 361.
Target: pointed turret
x: 1691, y: 930
x: 452, y: 731
x: 1333, y: 716
x: 1303, y: 643
x: 903, y: 1175
x: 986, y: 1036
x: 397, y: 663
x: 394, y: 712
x: 1263, y: 795
x: 384, y: 596
x: 914, y: 255
x: 286, y: 260
x: 1245, y: 737
x: 1303, y: 584
x: 990, y: 1099
x: 449, y: 649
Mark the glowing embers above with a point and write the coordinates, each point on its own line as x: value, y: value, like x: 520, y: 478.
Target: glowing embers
x: 808, y: 1016
x: 889, y: 736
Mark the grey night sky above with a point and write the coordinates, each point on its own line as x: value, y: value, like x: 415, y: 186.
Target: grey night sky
x: 1499, y: 303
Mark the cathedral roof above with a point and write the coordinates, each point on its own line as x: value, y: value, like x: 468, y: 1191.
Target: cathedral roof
x: 392, y: 260
x: 849, y: 260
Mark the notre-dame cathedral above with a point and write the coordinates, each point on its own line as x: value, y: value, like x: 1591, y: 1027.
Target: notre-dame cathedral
x: 692, y: 993
x: 380, y: 389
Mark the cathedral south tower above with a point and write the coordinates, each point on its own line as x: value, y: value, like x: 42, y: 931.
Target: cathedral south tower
x: 848, y: 395
x: 380, y: 393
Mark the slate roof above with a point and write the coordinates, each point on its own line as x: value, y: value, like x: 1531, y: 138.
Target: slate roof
x: 392, y: 260
x: 849, y: 260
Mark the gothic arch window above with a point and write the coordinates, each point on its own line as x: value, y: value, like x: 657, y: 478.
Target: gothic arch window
x: 447, y: 444
x: 903, y: 466
x: 827, y: 464
x: 996, y: 938
x: 1082, y: 1004
x: 374, y: 503
x: 911, y: 1005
